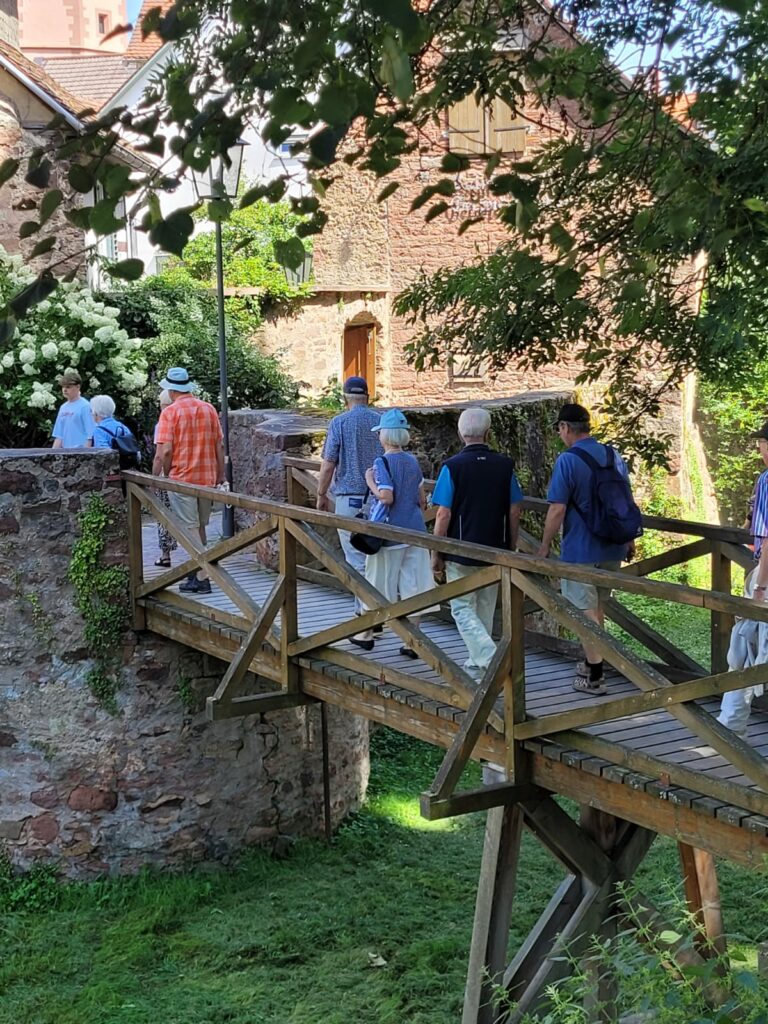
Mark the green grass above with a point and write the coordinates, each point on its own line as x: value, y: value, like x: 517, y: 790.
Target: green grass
x: 293, y: 941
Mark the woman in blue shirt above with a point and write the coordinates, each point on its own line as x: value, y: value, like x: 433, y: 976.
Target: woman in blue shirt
x: 107, y: 427
x: 397, y: 571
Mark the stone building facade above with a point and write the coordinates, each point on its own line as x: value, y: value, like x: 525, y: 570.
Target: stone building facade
x: 156, y: 783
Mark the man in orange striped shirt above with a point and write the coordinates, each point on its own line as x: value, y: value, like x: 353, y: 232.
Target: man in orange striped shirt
x: 190, y: 449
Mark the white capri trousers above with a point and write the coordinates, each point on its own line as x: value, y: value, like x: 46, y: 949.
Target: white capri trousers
x: 398, y: 573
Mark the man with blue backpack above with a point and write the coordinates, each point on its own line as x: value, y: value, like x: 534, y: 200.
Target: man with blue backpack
x: 590, y: 498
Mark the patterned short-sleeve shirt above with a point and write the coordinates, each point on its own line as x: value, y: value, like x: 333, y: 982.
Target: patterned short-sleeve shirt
x: 352, y: 445
x: 192, y: 429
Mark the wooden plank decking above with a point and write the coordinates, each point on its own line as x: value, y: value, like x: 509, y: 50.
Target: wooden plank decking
x: 375, y: 684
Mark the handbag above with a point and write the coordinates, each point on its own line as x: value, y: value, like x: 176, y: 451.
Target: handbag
x: 363, y: 542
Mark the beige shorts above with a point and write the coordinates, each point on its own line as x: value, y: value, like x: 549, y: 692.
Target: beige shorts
x: 193, y: 512
x: 585, y: 596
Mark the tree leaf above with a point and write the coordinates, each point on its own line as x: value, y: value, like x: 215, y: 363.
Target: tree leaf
x: 253, y: 195
x: 50, y: 203
x: 103, y: 219
x: 43, y: 246
x: 173, y: 233
x: 28, y: 297
x: 633, y: 291
x: 80, y: 178
x: 561, y: 237
x: 29, y: 227
x: 39, y: 173
x: 7, y: 169
x: 127, y: 270
x: 290, y: 253
x: 80, y: 217
x: 396, y: 69
x: 567, y: 283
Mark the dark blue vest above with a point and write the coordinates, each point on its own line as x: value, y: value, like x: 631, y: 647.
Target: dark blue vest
x: 482, y: 480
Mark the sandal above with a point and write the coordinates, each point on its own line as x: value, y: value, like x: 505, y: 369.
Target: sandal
x: 583, y: 684
x: 408, y: 652
x: 164, y: 563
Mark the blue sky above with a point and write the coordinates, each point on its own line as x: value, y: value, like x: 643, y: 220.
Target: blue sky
x: 133, y: 9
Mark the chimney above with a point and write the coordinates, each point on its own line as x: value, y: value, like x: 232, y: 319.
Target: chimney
x: 9, y: 22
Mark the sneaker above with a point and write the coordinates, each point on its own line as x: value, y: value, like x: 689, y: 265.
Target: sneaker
x: 366, y: 645
x: 193, y: 585
x: 583, y: 684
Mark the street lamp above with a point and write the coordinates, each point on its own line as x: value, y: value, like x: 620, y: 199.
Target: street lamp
x: 220, y: 180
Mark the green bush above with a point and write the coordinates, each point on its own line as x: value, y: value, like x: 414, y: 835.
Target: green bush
x: 729, y: 413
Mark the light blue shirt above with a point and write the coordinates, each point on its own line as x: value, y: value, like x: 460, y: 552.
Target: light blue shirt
x: 759, y: 524
x: 404, y: 478
x: 74, y: 424
x: 106, y: 429
x: 353, y: 446
x: 445, y: 490
x: 571, y: 485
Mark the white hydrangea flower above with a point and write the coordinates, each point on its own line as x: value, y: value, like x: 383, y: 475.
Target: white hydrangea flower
x: 44, y: 306
x: 28, y: 339
x: 100, y: 367
x: 27, y: 355
x: 8, y: 359
x: 95, y: 382
x: 85, y: 344
x: 36, y: 400
x: 49, y: 350
x: 29, y: 369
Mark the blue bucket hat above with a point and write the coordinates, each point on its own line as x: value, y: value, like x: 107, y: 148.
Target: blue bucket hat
x: 177, y: 379
x: 392, y: 419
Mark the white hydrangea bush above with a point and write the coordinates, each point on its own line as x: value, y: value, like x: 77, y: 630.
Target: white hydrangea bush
x: 68, y: 330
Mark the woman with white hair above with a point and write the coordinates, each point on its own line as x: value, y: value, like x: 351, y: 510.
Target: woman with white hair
x: 165, y: 541
x: 107, y: 427
x: 397, y: 571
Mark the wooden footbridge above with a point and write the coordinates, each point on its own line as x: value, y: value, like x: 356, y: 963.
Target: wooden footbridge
x: 647, y: 758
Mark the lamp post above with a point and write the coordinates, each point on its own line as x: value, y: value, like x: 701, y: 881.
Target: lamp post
x: 220, y: 181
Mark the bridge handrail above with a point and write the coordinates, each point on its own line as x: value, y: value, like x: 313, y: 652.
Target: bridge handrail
x: 685, y: 527
x: 676, y: 592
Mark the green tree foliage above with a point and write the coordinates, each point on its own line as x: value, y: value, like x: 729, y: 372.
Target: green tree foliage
x: 248, y: 246
x: 614, y: 225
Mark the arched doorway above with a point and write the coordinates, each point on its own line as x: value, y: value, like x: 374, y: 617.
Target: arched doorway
x: 359, y: 355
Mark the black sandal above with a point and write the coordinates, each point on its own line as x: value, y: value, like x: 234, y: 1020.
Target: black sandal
x: 408, y: 652
x: 164, y: 563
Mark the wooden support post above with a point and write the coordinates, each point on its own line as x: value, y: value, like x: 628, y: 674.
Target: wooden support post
x: 495, y: 893
x: 721, y: 622
x: 601, y: 989
x: 327, y: 819
x: 702, y: 894
x: 290, y: 486
x: 513, y: 629
x: 289, y: 610
x: 135, y: 557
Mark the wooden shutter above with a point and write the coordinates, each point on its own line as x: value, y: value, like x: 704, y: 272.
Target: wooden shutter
x: 466, y: 127
x: 507, y: 130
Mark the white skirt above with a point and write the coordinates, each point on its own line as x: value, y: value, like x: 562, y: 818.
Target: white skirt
x: 401, y: 572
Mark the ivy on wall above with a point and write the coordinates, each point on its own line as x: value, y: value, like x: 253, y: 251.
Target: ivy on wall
x: 101, y: 597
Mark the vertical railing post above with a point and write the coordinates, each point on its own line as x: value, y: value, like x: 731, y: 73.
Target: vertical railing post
x: 289, y: 612
x: 721, y: 622
x: 135, y: 556
x: 513, y: 628
x: 290, y: 486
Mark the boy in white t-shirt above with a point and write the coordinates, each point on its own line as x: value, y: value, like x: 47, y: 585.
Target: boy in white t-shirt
x: 74, y: 422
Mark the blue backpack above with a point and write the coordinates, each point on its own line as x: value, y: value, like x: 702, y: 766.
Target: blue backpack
x: 613, y: 515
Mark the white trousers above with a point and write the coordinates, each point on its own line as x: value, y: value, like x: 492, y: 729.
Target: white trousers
x: 473, y: 615
x: 399, y: 573
x: 350, y: 505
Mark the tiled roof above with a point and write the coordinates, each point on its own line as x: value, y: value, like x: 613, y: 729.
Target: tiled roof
x: 93, y: 77
x: 139, y: 47
x: 58, y: 92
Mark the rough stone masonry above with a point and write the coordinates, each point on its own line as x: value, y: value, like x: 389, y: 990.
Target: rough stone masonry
x: 156, y: 784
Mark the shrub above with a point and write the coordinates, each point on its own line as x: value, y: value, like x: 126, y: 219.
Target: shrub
x: 70, y: 329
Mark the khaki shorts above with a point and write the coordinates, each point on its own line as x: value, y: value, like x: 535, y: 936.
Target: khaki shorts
x: 193, y: 512
x: 585, y: 596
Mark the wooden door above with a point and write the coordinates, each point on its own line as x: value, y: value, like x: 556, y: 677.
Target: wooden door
x: 360, y: 353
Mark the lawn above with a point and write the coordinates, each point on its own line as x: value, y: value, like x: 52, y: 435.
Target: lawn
x: 374, y: 929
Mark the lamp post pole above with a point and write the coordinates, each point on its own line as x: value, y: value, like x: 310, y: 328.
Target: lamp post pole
x: 228, y: 515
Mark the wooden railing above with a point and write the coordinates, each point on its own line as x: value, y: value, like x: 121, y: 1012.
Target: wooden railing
x: 498, y: 701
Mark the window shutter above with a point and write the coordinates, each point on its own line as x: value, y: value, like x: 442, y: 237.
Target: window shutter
x: 507, y: 129
x: 466, y: 127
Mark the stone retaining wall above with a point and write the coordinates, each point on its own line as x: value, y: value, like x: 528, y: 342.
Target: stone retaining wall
x: 157, y: 784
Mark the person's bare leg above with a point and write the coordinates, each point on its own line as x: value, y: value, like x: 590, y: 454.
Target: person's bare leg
x: 591, y: 653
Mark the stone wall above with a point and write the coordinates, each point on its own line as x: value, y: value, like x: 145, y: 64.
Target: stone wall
x: 157, y: 784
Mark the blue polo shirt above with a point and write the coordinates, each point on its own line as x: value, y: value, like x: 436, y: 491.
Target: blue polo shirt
x: 571, y: 485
